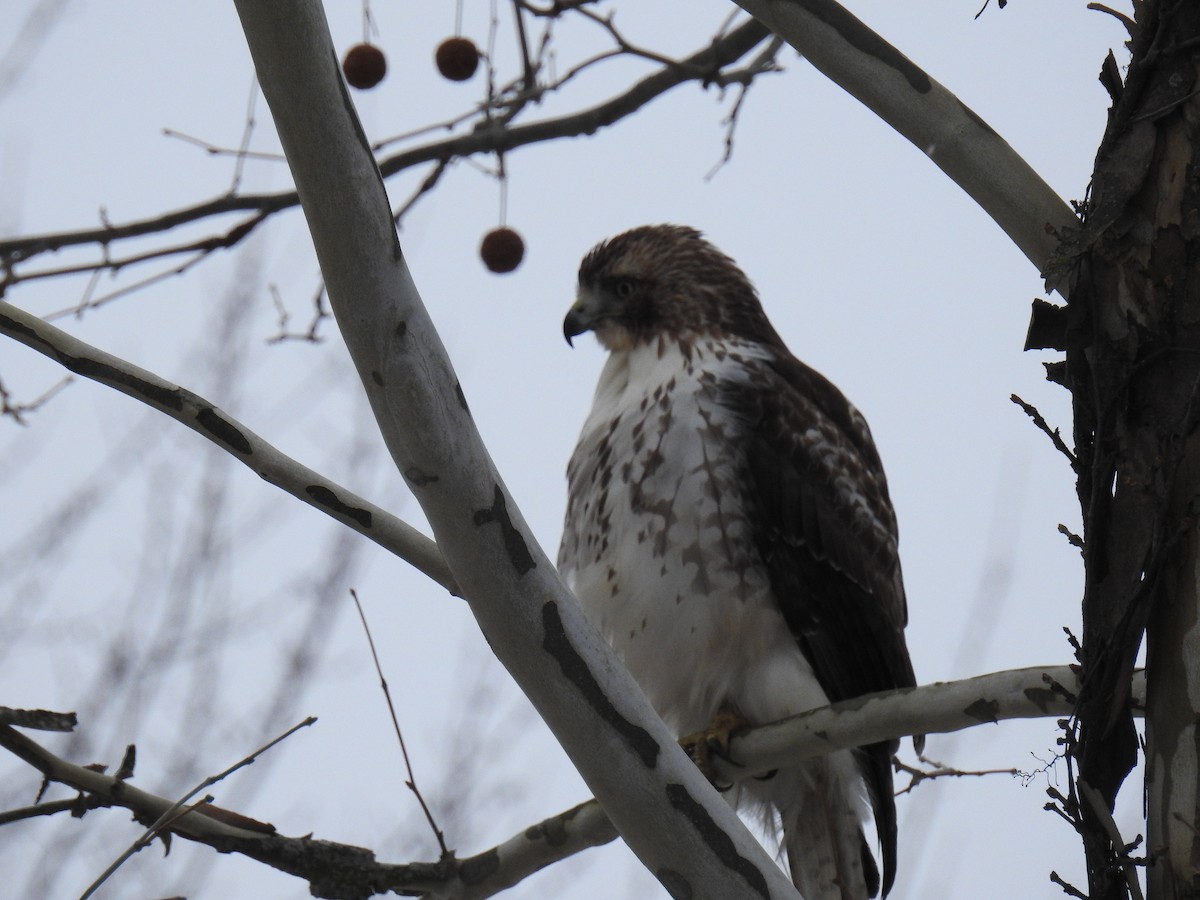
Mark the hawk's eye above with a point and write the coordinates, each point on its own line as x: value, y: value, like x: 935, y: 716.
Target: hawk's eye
x: 625, y: 288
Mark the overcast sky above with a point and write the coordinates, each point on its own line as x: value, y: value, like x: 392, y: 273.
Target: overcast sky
x: 873, y: 266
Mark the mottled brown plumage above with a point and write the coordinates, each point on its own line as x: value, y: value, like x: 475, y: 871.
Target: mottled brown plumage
x: 729, y: 529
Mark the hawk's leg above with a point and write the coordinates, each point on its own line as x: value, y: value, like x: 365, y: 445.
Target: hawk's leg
x: 714, y: 740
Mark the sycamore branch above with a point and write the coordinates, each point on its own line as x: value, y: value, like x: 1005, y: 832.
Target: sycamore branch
x: 931, y: 709
x: 203, y: 417
x: 491, y: 135
x: 940, y: 125
x: 338, y: 870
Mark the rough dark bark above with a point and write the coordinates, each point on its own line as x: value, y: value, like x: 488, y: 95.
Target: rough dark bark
x: 1133, y: 367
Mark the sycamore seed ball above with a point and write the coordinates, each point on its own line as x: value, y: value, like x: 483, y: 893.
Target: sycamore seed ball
x: 457, y: 58
x: 364, y: 66
x: 502, y: 250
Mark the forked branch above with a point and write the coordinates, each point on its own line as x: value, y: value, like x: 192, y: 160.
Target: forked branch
x: 338, y: 870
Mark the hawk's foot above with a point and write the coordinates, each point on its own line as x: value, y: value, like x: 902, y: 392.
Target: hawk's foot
x: 714, y: 740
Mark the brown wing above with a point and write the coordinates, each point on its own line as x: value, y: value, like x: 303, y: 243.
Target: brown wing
x: 826, y: 530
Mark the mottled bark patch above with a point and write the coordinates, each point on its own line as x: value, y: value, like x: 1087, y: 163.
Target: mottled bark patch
x: 417, y: 477
x: 514, y: 544
x: 223, y: 430
x: 718, y: 841
x: 331, y: 501
x: 557, y: 644
x: 983, y: 710
x: 863, y: 39
x: 676, y: 883
x: 1042, y: 698
x: 478, y: 868
x: 168, y: 397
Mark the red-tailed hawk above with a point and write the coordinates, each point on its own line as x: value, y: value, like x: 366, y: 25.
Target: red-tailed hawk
x: 729, y: 530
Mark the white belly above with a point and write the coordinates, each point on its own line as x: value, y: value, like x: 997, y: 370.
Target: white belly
x: 658, y: 547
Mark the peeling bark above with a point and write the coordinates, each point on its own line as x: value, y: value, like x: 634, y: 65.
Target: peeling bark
x: 1133, y: 367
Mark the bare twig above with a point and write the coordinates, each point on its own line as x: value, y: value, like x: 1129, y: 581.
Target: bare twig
x: 41, y: 719
x: 430, y: 182
x: 1072, y: 538
x: 940, y: 770
x: 730, y: 122
x: 411, y: 783
x: 743, y: 78
x: 1001, y: 4
x: 18, y: 411
x: 1069, y: 889
x: 1053, y: 433
x: 216, y: 150
x: 1046, y: 768
x: 89, y: 301
x: 177, y: 809
x: 281, y: 312
x: 1130, y: 25
x: 528, y: 70
x: 310, y: 335
x: 76, y: 806
x: 626, y: 46
x: 199, y: 249
x: 247, y: 132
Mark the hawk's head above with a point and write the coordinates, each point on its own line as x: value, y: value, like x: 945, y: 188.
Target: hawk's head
x: 663, y: 281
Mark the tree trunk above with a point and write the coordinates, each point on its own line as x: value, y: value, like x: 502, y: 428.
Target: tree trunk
x: 1133, y: 366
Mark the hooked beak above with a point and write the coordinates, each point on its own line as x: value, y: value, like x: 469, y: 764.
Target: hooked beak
x: 573, y: 327
x: 582, y: 316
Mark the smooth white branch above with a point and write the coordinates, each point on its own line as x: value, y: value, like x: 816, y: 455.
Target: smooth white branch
x: 941, y: 126
x: 248, y: 448
x: 936, y: 708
